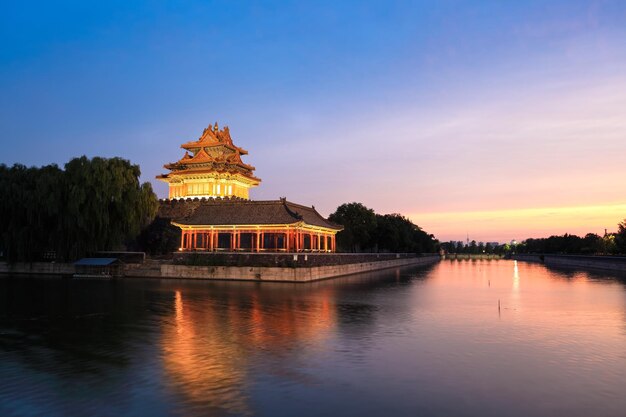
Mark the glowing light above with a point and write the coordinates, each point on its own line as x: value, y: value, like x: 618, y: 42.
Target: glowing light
x: 523, y: 223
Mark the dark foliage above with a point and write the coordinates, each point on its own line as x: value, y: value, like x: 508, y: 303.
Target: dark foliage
x: 366, y: 231
x: 620, y: 237
x: 570, y: 244
x: 159, y: 238
x: 359, y: 224
x: 91, y: 205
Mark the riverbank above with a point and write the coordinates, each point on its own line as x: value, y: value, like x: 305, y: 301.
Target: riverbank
x: 605, y: 263
x: 335, y: 266
x: 470, y: 256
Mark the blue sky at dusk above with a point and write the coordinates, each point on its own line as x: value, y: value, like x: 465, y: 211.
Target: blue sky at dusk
x: 499, y: 119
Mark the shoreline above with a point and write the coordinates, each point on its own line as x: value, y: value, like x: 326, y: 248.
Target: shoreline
x: 230, y: 273
x: 593, y: 262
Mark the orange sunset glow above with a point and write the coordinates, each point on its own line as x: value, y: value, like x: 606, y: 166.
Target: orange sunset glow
x: 524, y: 223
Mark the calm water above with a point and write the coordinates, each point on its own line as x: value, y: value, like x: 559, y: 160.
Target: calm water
x: 410, y: 342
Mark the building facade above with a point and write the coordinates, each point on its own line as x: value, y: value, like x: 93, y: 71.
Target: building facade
x: 212, y: 183
x: 211, y: 167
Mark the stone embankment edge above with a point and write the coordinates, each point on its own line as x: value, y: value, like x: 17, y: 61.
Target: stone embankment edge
x: 235, y: 273
x: 605, y: 263
x: 37, y: 268
x: 279, y: 274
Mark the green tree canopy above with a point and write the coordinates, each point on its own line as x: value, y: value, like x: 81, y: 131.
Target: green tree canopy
x: 359, y: 224
x: 620, y: 237
x: 93, y: 204
x: 365, y: 230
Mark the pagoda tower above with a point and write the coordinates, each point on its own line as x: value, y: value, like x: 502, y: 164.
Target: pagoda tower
x: 211, y: 167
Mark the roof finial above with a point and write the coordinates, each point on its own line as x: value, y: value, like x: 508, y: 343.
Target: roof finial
x: 216, y: 128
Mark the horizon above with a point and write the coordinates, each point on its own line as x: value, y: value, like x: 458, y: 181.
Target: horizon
x: 501, y: 121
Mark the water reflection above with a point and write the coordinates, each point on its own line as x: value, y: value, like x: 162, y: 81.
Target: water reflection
x: 207, y: 348
x: 415, y: 341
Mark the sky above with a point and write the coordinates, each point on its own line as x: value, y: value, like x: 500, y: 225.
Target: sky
x: 499, y: 120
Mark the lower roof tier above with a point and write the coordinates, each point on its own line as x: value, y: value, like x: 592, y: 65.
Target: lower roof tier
x: 245, y: 212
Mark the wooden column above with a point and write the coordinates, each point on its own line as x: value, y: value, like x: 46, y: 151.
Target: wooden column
x: 325, y: 243
x: 258, y: 241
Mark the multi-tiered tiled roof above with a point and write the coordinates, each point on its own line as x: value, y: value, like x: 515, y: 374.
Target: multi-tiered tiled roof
x: 209, y: 161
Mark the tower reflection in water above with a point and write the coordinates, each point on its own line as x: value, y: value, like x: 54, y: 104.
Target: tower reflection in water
x: 209, y: 344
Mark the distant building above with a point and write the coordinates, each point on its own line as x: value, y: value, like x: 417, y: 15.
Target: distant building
x: 211, y: 182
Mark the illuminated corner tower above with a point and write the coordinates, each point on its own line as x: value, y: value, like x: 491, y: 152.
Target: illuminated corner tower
x: 211, y: 167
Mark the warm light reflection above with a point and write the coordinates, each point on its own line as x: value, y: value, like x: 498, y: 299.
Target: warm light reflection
x: 515, y: 277
x: 504, y: 225
x: 207, y: 345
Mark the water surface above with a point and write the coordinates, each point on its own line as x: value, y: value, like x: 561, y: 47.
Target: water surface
x: 406, y: 342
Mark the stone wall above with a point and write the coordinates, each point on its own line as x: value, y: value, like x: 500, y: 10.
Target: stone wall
x: 263, y: 273
x: 291, y: 260
x: 328, y: 266
x: 607, y: 263
x: 31, y: 268
x: 473, y: 256
x: 176, y: 209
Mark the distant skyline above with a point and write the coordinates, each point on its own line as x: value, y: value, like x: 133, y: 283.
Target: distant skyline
x: 504, y: 120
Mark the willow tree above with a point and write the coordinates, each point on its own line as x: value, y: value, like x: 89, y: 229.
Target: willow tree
x: 91, y: 205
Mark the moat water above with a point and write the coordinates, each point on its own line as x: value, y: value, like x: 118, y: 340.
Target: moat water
x: 409, y: 342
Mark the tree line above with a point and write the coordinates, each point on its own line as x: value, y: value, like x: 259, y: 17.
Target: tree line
x: 590, y: 244
x: 475, y: 247
x: 63, y: 214
x: 367, y: 231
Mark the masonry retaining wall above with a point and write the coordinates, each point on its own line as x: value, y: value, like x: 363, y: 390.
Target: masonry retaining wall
x: 264, y: 273
x: 607, y: 263
x: 34, y: 268
x: 246, y: 273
